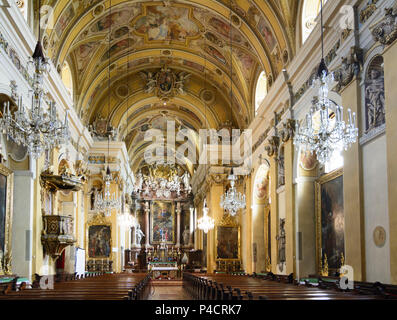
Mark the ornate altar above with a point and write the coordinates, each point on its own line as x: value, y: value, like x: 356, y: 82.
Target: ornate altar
x: 164, y: 270
x: 99, y: 255
x: 164, y: 215
x: 227, y: 235
x: 164, y: 263
x: 99, y: 265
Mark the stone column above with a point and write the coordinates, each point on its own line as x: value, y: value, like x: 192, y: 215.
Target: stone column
x: 178, y: 225
x: 22, y: 226
x: 353, y: 189
x: 389, y: 57
x: 305, y: 224
x: 214, y: 194
x: 147, y: 229
x: 272, y: 151
x: 258, y: 237
x: 289, y: 207
x: 246, y: 228
x: 191, y: 227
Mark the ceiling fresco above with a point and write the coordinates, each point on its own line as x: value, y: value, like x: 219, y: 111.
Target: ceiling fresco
x: 186, y: 36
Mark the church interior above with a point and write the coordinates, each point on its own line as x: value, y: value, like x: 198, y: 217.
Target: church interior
x: 198, y: 150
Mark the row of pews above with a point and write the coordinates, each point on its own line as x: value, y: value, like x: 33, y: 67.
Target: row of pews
x: 92, y: 286
x: 276, y: 287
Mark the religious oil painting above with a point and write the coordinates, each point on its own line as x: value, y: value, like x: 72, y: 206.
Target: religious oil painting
x: 3, y: 200
x: 6, y: 192
x: 330, y: 221
x: 162, y: 222
x: 227, y: 245
x: 99, y: 238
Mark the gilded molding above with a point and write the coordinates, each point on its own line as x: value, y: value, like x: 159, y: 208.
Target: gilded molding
x: 385, y: 31
x: 288, y: 130
x: 350, y: 68
x: 368, y: 11
x: 272, y: 147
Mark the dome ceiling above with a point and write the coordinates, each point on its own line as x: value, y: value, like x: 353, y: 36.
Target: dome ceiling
x: 192, y: 37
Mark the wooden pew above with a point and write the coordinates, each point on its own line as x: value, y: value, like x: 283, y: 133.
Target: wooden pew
x: 93, y: 287
x: 268, y: 287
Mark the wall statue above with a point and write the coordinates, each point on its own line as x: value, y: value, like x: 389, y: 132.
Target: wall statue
x: 186, y: 236
x: 375, y: 95
x: 138, y: 234
x: 281, y: 171
x: 281, y: 244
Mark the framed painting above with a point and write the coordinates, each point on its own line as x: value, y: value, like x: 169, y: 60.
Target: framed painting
x: 6, y: 191
x: 330, y: 222
x: 162, y: 222
x: 99, y: 241
x: 227, y: 235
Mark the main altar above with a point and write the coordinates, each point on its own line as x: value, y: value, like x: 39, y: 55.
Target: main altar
x: 164, y: 263
x: 163, y: 234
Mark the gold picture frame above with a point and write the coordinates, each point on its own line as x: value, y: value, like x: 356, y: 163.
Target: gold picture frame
x: 327, y: 262
x: 227, y: 226
x: 6, y: 211
x: 99, y: 220
x: 161, y: 221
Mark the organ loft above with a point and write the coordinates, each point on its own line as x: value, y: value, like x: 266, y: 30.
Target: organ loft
x: 198, y: 150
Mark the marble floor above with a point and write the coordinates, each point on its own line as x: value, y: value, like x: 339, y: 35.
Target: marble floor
x: 165, y: 292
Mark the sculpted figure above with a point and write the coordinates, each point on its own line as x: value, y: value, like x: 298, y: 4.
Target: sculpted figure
x: 375, y: 99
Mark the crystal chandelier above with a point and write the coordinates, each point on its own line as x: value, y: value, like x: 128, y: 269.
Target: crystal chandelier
x: 325, y: 131
x: 232, y: 201
x: 107, y: 202
x: 205, y: 223
x: 38, y: 129
x: 331, y: 133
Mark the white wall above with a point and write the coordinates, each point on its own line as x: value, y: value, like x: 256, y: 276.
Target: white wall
x: 375, y: 209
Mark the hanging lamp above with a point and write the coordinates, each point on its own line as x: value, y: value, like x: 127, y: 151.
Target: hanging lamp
x: 331, y: 133
x: 232, y: 200
x: 108, y: 202
x: 38, y: 129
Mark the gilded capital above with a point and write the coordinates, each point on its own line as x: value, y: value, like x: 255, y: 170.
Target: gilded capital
x: 288, y: 130
x: 273, y: 145
x: 350, y: 68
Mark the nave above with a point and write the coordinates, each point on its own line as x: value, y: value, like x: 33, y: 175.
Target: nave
x: 210, y: 150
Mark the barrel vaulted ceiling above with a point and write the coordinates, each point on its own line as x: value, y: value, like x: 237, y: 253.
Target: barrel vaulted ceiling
x: 186, y: 36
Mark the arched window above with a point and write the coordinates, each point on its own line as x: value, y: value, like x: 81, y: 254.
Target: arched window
x: 260, y: 91
x: 66, y: 76
x: 310, y: 11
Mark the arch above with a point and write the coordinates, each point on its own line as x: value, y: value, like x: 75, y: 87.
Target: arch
x: 260, y: 90
x: 310, y: 11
